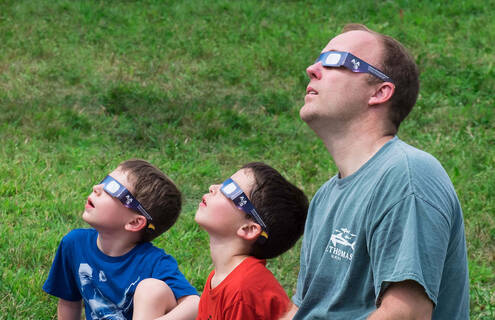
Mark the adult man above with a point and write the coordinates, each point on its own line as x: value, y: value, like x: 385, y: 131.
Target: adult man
x: 384, y: 239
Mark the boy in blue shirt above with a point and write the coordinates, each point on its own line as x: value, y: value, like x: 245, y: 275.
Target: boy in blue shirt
x: 103, y: 266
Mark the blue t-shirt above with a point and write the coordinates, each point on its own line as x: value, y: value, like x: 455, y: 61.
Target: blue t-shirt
x: 107, y: 284
x: 397, y: 218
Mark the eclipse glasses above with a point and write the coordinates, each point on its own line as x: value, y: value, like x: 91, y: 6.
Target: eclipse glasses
x: 117, y: 190
x: 351, y: 62
x: 232, y: 191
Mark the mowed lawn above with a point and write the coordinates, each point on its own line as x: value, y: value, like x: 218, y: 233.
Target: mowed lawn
x: 199, y: 88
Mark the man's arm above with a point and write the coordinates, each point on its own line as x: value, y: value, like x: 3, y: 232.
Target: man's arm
x: 186, y: 309
x: 290, y: 314
x: 69, y: 310
x: 404, y: 300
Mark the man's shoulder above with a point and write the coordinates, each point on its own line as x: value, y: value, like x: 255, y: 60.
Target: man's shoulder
x: 326, y: 187
x: 411, y: 153
x: 414, y: 172
x: 403, y: 163
x: 420, y: 166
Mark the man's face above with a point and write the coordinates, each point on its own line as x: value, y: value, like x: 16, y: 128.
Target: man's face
x: 336, y: 95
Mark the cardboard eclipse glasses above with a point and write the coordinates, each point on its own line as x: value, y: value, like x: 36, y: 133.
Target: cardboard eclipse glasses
x: 351, y: 62
x: 118, y: 191
x: 232, y: 191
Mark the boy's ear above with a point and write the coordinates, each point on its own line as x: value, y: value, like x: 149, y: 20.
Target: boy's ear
x: 249, y: 231
x: 137, y: 223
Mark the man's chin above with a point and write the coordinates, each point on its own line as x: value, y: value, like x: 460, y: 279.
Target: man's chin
x: 306, y: 114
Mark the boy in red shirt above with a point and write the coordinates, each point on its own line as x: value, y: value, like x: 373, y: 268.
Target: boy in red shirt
x: 254, y: 215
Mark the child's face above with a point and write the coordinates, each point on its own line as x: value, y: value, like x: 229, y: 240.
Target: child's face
x: 105, y: 213
x: 217, y: 214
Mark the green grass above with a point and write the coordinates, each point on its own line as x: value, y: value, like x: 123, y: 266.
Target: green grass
x: 201, y: 87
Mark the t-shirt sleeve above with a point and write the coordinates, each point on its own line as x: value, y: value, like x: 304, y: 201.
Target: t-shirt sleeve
x: 61, y: 281
x: 297, y: 298
x: 409, y: 242
x: 301, y: 288
x: 166, y: 269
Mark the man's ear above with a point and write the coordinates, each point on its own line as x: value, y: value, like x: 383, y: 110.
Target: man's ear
x: 249, y: 231
x: 137, y: 223
x: 383, y: 93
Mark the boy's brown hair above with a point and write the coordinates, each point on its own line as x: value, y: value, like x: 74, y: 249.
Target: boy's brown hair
x: 157, y: 194
x: 282, y: 206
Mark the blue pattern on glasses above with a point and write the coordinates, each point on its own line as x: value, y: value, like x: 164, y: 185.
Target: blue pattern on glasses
x: 117, y: 190
x: 351, y: 62
x: 232, y: 191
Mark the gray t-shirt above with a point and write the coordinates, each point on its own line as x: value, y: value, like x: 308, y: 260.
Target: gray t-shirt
x: 397, y: 218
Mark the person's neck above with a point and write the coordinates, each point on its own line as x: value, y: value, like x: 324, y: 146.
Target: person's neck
x: 114, y: 245
x: 226, y: 256
x: 353, y: 147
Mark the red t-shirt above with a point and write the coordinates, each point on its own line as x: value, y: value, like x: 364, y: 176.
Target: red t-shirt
x: 250, y: 291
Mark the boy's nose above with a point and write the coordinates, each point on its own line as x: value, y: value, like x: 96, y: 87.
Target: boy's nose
x: 97, y: 188
x: 213, y: 188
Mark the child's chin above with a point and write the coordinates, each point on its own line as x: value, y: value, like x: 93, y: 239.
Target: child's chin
x: 198, y: 219
x: 86, y: 217
x: 197, y: 216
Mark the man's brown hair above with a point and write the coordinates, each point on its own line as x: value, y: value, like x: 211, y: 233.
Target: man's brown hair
x: 157, y: 194
x: 398, y: 64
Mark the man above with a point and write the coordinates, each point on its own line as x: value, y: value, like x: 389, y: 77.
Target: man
x: 384, y: 238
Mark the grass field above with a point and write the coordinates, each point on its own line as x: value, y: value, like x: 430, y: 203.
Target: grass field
x: 201, y: 87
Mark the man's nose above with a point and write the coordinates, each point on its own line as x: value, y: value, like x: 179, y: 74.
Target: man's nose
x: 314, y: 70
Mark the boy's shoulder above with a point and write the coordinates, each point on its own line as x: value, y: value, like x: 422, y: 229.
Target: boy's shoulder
x: 78, y: 243
x: 255, y: 285
x: 253, y: 264
x: 86, y: 238
x: 253, y: 268
x: 81, y: 244
x: 79, y: 235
